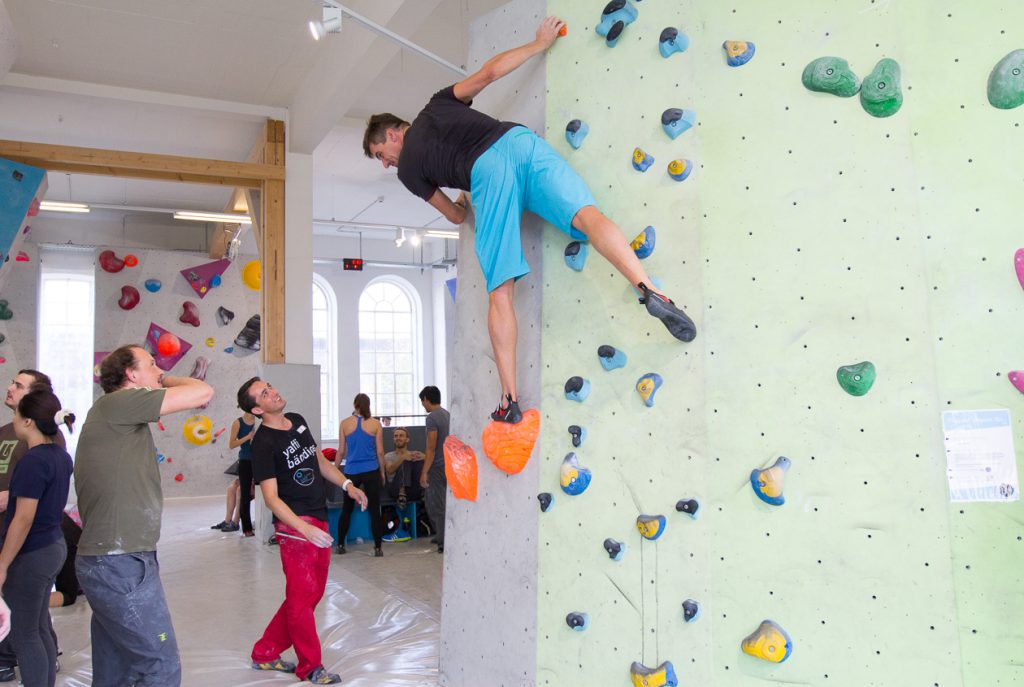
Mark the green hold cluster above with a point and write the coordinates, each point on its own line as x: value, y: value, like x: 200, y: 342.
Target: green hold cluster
x: 880, y: 94
x: 858, y: 379
x: 1006, y: 82
x: 831, y: 75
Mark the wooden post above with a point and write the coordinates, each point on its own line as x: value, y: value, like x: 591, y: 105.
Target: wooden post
x: 271, y: 241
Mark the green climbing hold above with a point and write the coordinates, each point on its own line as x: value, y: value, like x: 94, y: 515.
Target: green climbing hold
x: 856, y: 380
x: 1006, y: 82
x: 880, y: 94
x: 5, y: 312
x: 831, y: 75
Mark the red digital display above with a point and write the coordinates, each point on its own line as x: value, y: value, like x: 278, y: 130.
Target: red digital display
x: 353, y: 264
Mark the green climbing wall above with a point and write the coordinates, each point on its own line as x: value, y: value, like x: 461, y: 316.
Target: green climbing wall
x: 809, y: 236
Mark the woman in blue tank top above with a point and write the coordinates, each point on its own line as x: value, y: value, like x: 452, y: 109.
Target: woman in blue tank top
x: 363, y: 453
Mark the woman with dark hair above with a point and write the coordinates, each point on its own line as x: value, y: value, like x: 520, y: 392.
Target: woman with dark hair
x: 34, y: 549
x: 362, y: 451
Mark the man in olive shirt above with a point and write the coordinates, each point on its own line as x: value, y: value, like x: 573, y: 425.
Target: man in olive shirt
x: 119, y: 497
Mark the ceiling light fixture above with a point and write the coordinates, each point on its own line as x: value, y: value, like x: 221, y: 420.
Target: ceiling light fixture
x: 58, y: 206
x: 415, y: 238
x: 439, y: 234
x: 399, y: 237
x: 331, y: 23
x: 223, y: 217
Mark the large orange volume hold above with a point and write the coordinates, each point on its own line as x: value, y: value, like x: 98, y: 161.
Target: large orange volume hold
x: 460, y: 468
x: 509, y: 446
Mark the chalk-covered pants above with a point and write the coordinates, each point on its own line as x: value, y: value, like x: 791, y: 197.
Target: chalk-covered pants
x: 133, y: 640
x: 305, y: 577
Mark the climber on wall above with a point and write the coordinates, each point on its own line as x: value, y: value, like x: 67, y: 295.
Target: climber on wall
x: 508, y: 169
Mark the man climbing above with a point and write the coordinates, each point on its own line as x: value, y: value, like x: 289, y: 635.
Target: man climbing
x: 507, y: 169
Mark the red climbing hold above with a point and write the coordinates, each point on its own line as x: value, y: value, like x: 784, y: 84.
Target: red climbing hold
x: 460, y: 468
x: 189, y: 314
x: 110, y: 262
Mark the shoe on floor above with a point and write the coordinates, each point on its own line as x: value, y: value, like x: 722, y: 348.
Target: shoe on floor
x: 319, y: 676
x: 397, y: 535
x: 248, y: 533
x: 277, y: 664
x: 230, y: 527
x: 7, y: 674
x: 341, y: 548
x: 510, y: 413
x: 440, y: 548
x: 377, y: 552
x: 675, y: 320
x: 273, y: 540
x: 220, y: 525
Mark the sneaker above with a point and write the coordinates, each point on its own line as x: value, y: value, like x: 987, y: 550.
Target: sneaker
x: 675, y: 320
x: 378, y: 552
x: 510, y: 413
x: 230, y: 527
x: 397, y: 535
x: 277, y: 664
x: 319, y: 676
x: 220, y: 525
x: 7, y: 674
x: 341, y: 548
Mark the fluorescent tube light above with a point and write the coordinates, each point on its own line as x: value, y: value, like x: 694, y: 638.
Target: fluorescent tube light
x: 439, y: 234
x: 58, y: 206
x: 223, y: 217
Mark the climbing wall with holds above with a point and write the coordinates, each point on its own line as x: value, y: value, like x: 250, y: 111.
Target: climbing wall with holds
x: 810, y: 232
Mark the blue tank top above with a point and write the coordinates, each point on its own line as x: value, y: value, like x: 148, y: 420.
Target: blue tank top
x: 245, y: 450
x: 361, y: 451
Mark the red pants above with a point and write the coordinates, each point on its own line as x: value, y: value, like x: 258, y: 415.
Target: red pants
x: 305, y: 573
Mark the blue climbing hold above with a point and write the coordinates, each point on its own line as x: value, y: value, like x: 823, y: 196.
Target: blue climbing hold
x: 676, y: 121
x: 546, y: 501
x: 215, y: 281
x: 680, y: 169
x: 643, y: 244
x: 577, y: 389
x: 768, y: 484
x: 688, y: 506
x: 691, y: 610
x: 614, y: 549
x: 229, y: 349
x: 575, y: 132
x: 578, y: 434
x: 651, y: 526
x: 611, y: 358
x: 576, y: 255
x: 738, y: 53
x: 573, y: 477
x: 641, y: 160
x: 578, y: 621
x: 616, y: 16
x: 662, y: 676
x: 671, y: 41
x: 153, y: 285
x: 647, y: 386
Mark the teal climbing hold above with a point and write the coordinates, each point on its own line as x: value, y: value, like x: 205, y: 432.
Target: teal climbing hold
x: 578, y: 621
x: 575, y: 132
x: 573, y: 477
x: 662, y: 676
x: 651, y: 526
x: 831, y: 75
x: 768, y: 483
x: 671, y: 41
x: 881, y: 94
x: 647, y: 386
x: 643, y: 244
x: 675, y: 121
x: 856, y: 380
x: 578, y: 435
x: 576, y: 255
x: 1006, y: 82
x: 641, y: 160
x: 611, y: 358
x: 577, y: 389
x: 616, y: 16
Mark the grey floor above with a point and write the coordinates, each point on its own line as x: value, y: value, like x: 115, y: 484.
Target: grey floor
x: 379, y: 620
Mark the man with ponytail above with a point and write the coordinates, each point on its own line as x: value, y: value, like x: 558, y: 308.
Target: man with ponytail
x: 119, y: 497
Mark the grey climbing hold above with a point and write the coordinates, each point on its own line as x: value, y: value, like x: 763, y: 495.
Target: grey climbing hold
x: 688, y: 506
x: 546, y: 500
x: 578, y: 621
x: 691, y: 610
x: 615, y: 549
x: 578, y: 434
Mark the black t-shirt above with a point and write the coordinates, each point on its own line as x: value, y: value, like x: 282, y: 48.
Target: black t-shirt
x: 443, y: 142
x: 289, y: 455
x: 43, y: 474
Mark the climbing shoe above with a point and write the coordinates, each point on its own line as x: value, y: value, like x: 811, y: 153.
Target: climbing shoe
x: 230, y: 527
x: 510, y: 413
x: 675, y: 320
x: 277, y: 664
x: 319, y: 676
x: 220, y: 525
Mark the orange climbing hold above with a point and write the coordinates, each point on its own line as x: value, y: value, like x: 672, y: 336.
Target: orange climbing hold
x: 460, y: 468
x: 564, y: 30
x: 509, y: 446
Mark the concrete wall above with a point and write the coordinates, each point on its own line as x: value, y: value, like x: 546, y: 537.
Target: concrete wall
x: 489, y: 608
x: 810, y: 236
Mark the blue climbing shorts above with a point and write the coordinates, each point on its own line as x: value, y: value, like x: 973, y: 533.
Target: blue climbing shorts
x: 520, y: 172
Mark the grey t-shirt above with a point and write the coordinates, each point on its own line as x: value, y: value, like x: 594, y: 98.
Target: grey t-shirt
x: 117, y: 478
x: 437, y: 421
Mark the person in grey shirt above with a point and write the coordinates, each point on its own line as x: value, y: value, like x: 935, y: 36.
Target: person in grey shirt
x: 433, y: 479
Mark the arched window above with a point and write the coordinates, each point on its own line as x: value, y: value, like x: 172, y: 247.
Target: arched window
x: 325, y: 353
x: 390, y: 346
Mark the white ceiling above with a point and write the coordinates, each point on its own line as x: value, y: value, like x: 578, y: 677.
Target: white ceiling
x: 198, y: 77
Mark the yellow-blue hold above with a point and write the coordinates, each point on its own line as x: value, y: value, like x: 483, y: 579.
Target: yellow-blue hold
x: 769, y: 642
x: 662, y: 676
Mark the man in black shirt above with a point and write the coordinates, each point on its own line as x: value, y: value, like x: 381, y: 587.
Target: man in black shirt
x: 508, y: 169
x: 291, y: 471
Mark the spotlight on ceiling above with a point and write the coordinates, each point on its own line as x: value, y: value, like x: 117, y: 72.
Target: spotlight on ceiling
x: 331, y: 23
x: 415, y: 238
x: 399, y: 237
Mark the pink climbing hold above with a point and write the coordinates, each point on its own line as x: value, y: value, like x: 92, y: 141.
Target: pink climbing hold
x: 129, y: 297
x: 190, y: 313
x: 1018, y: 265
x: 21, y: 257
x: 1017, y: 379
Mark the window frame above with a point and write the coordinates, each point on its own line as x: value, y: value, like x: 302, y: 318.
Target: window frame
x: 329, y: 429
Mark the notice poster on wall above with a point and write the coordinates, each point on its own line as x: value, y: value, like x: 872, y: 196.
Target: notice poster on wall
x: 981, y: 464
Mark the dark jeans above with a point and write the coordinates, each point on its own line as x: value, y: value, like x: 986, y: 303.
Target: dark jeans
x: 437, y: 492
x: 408, y: 476
x: 27, y: 591
x: 245, y: 484
x: 132, y: 637
x: 369, y: 482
